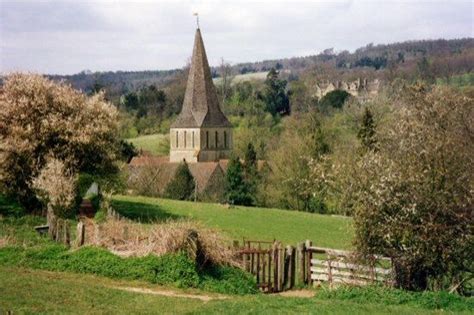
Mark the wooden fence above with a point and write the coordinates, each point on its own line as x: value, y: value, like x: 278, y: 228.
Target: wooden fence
x: 277, y: 268
x: 337, y: 266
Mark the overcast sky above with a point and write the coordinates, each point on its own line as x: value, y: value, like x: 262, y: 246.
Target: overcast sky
x: 67, y: 37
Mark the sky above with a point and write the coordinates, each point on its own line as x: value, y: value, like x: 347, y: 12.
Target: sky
x: 66, y: 37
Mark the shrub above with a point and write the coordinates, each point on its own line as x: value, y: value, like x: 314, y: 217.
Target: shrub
x: 177, y: 269
x: 225, y: 279
x: 55, y: 187
x: 10, y: 207
x: 334, y: 99
x: 414, y: 198
x: 182, y: 185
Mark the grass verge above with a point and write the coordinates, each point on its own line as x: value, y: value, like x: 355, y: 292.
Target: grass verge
x: 36, y: 291
x: 169, y: 269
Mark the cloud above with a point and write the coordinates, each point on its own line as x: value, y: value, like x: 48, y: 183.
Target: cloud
x: 69, y: 36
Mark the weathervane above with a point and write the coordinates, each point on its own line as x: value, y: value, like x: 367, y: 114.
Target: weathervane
x: 197, y: 18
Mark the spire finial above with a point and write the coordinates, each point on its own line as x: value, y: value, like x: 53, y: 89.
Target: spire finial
x: 197, y: 18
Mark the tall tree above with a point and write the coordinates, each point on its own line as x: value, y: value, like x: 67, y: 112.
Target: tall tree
x: 225, y: 72
x: 236, y: 188
x: 275, y: 95
x: 182, y: 186
x: 366, y: 132
x: 250, y: 168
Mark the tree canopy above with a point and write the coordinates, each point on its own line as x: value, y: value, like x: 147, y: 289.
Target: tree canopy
x: 40, y: 119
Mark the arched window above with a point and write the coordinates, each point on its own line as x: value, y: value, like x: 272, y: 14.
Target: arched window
x: 193, y: 139
x: 185, y: 138
x: 225, y: 140
x: 217, y: 139
x: 177, y: 143
x: 207, y: 139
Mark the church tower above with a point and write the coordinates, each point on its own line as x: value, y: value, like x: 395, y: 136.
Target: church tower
x: 201, y: 132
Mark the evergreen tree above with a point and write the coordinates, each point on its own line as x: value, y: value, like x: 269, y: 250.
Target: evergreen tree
x: 250, y: 171
x: 182, y: 185
x: 236, y: 190
x: 275, y: 96
x: 366, y: 133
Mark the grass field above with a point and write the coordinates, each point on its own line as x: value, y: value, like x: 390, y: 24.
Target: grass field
x: 290, y: 227
x: 462, y: 80
x: 254, y: 76
x: 35, y: 291
x: 155, y: 144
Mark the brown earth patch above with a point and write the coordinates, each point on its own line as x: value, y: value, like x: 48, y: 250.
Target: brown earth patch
x: 169, y: 293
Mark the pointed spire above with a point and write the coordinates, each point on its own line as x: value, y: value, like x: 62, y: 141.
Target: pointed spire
x: 201, y: 105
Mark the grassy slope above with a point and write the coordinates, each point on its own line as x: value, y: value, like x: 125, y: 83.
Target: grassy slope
x: 289, y: 227
x: 33, y: 291
x: 151, y: 143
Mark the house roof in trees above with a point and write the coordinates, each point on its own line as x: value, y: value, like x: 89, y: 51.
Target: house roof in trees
x: 200, y: 105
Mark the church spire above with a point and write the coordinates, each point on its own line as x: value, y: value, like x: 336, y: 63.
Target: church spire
x: 201, y: 105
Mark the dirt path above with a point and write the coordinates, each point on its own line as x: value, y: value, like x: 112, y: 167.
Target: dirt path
x: 297, y: 293
x: 169, y: 293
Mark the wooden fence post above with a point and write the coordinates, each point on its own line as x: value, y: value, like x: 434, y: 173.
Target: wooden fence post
x: 289, y: 275
x: 309, y: 256
x: 281, y: 264
x: 301, y: 265
x: 270, y: 287
x: 258, y: 263
x: 80, y: 234
x: 275, y: 267
x: 66, y: 235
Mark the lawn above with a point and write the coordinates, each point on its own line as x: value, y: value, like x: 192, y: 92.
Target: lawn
x: 290, y: 227
x: 35, y: 291
x: 155, y: 144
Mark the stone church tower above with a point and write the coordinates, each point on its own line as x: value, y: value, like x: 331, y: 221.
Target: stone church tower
x: 201, y: 133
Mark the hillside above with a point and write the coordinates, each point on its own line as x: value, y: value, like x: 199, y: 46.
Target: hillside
x: 290, y: 227
x: 370, y: 57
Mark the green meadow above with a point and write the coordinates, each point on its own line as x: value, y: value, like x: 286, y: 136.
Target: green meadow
x: 289, y: 227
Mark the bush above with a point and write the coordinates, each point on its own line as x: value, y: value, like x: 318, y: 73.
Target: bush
x: 224, y: 279
x: 9, y: 207
x: 182, y: 186
x: 334, y: 99
x: 413, y: 196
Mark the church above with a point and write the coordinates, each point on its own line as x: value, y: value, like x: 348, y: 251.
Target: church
x: 201, y: 135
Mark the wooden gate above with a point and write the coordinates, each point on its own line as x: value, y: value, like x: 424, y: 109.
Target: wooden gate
x: 271, y: 264
x: 277, y: 268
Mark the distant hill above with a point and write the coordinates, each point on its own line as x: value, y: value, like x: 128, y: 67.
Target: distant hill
x: 371, y: 58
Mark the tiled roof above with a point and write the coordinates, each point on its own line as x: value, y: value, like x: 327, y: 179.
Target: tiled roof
x: 202, y: 171
x: 200, y: 105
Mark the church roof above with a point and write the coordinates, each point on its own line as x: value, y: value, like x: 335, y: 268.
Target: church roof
x: 202, y: 171
x: 200, y: 106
